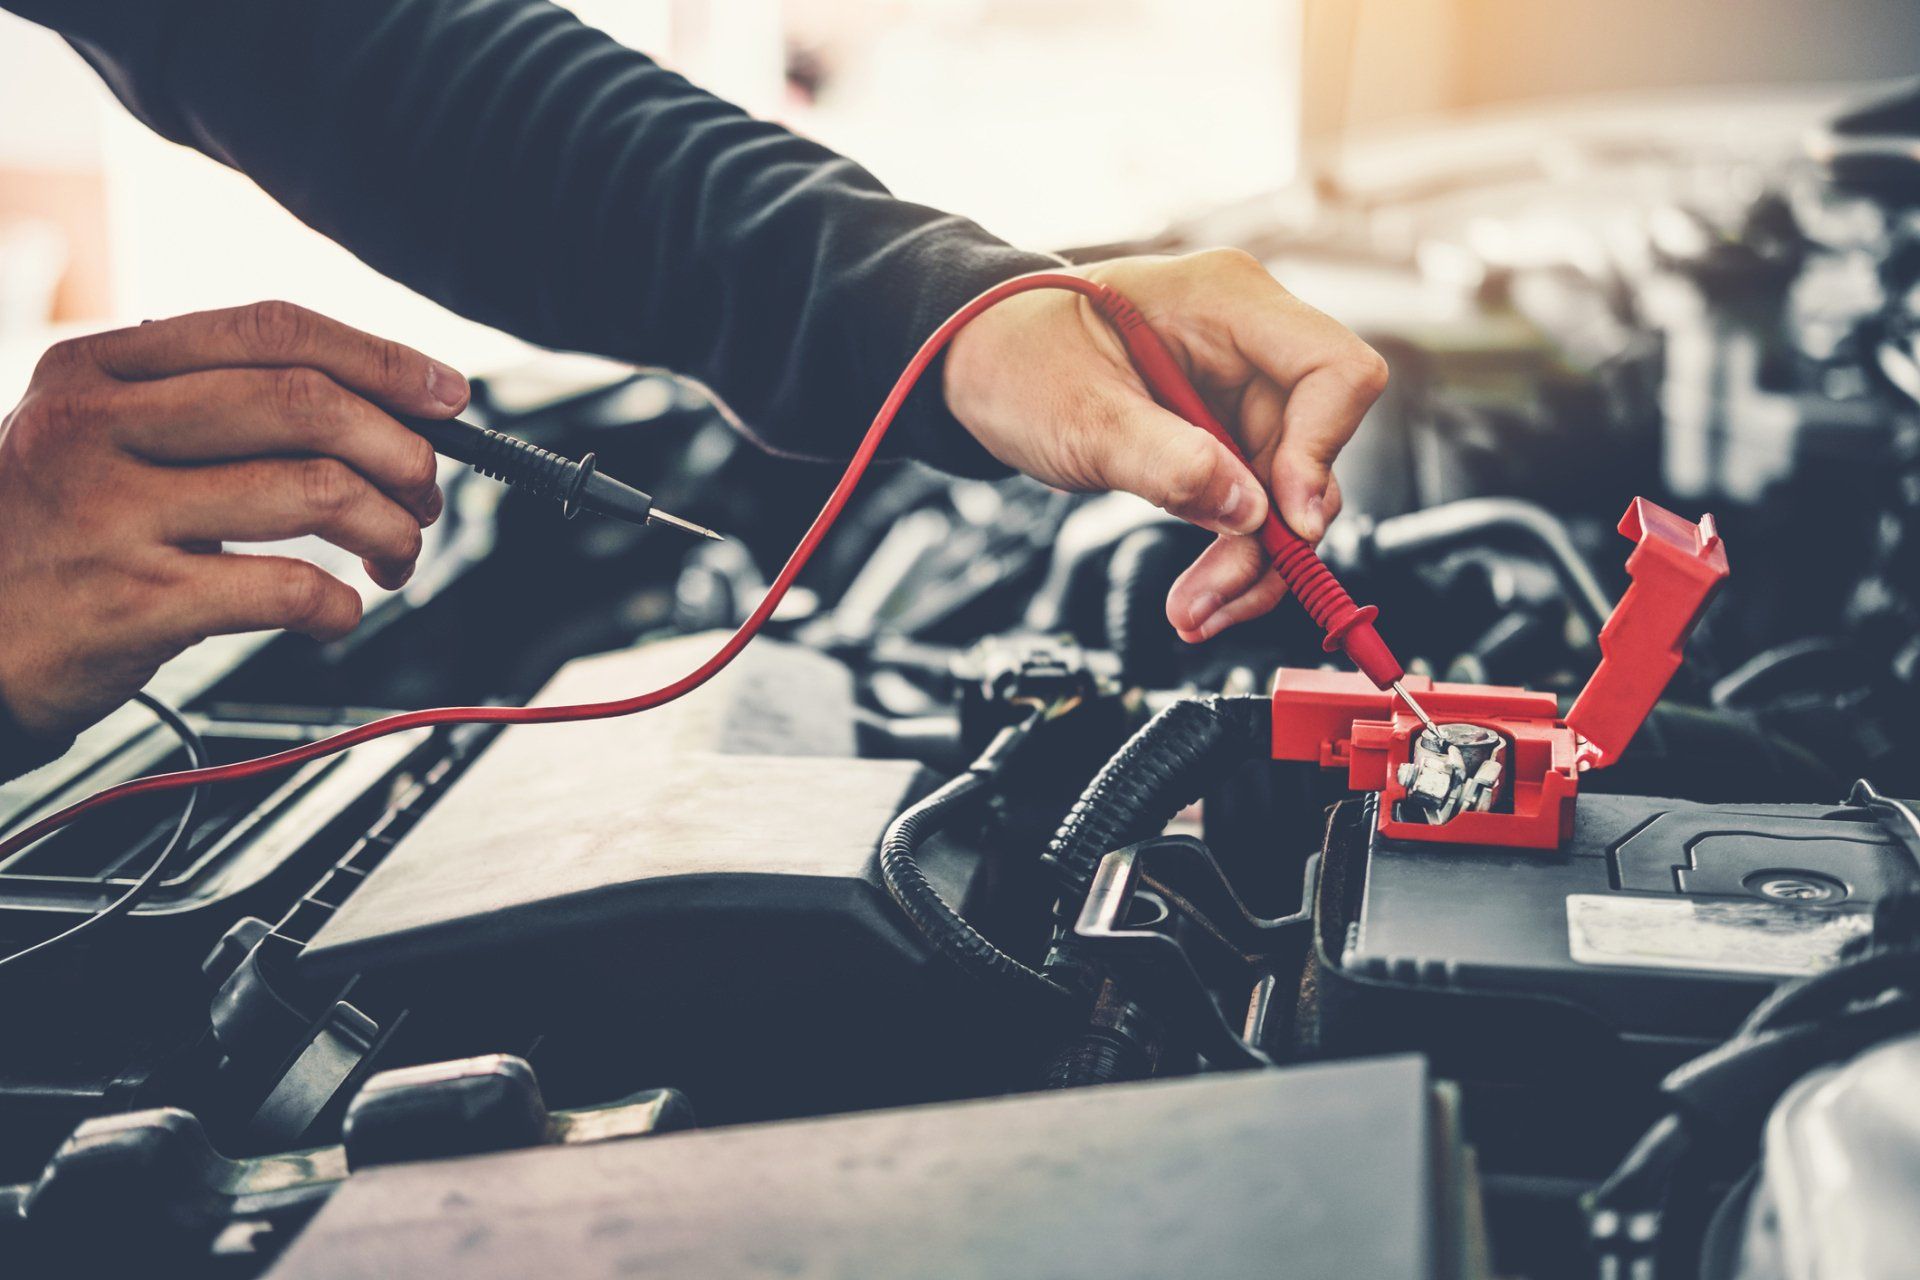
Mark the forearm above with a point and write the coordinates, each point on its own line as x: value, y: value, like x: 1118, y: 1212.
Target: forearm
x: 527, y: 171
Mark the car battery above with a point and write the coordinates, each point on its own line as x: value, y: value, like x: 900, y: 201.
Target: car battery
x: 1640, y: 942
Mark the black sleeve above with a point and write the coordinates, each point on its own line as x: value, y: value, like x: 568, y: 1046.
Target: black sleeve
x: 527, y: 171
x: 21, y: 752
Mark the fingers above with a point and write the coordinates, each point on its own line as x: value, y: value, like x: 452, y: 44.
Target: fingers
x: 1328, y: 377
x: 1321, y: 416
x: 270, y: 334
x: 1143, y: 449
x: 135, y: 454
x: 1231, y: 582
x: 1255, y: 603
x: 1332, y: 378
x: 223, y: 594
x: 270, y: 499
x: 227, y: 414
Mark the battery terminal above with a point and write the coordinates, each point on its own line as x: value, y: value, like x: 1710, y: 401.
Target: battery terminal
x: 1454, y: 769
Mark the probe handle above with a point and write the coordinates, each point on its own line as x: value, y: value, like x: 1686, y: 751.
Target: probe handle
x: 505, y: 458
x: 1349, y: 627
x: 576, y: 486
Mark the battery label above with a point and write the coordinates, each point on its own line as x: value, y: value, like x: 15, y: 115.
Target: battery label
x: 1713, y: 934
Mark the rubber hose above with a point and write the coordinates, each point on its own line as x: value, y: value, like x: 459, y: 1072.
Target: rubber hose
x: 1097, y: 1056
x: 1143, y: 567
x: 943, y: 927
x: 1163, y: 768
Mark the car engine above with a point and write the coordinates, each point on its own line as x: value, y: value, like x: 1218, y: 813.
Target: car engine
x: 973, y: 924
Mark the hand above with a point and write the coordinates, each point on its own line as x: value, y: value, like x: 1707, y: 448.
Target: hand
x: 1044, y: 384
x: 136, y: 454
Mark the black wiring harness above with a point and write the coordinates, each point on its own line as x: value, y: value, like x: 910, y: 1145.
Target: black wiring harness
x: 944, y: 928
x: 1161, y: 769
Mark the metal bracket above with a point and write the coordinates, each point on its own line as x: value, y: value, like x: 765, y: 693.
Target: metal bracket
x: 1183, y: 872
x: 340, y: 1047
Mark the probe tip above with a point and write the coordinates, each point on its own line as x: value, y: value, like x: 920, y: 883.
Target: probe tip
x: 687, y: 526
x: 1416, y: 708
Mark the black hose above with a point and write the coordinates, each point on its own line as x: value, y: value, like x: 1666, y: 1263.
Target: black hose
x: 1096, y: 1056
x: 1163, y: 768
x: 1143, y: 567
x: 1119, y: 1042
x: 943, y: 927
x: 1474, y: 518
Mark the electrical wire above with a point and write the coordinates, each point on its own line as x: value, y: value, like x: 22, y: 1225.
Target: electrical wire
x: 730, y: 649
x: 944, y: 928
x: 155, y: 874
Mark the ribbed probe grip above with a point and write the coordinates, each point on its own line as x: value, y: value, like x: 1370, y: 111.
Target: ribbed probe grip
x: 505, y: 458
x: 1313, y: 583
x: 1348, y: 626
x: 525, y: 466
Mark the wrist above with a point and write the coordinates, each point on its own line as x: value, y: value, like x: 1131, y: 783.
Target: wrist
x: 928, y: 428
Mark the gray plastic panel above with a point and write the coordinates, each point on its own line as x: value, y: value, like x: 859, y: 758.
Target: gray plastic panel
x: 1314, y: 1173
x: 736, y: 799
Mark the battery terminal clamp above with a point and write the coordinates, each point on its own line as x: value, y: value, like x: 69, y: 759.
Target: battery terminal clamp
x: 1339, y: 719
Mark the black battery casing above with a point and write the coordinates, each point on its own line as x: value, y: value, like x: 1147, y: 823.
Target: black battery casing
x: 1487, y: 959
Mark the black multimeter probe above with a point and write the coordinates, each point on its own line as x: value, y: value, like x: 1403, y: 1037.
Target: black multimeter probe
x: 576, y: 486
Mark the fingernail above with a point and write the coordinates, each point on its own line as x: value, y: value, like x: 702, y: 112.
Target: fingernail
x: 1237, y: 512
x: 435, y: 505
x: 1203, y: 608
x: 448, y: 387
x: 1214, y: 625
x: 1315, y: 523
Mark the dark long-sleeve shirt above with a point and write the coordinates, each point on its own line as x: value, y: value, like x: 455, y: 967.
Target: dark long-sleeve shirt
x: 527, y: 171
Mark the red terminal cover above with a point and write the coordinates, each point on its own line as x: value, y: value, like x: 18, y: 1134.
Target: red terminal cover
x: 1676, y: 565
x: 1337, y: 719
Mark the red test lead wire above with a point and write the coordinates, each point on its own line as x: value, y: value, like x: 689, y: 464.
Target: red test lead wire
x: 1348, y: 628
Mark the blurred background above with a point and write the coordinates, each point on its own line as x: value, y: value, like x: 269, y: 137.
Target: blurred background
x: 1001, y: 109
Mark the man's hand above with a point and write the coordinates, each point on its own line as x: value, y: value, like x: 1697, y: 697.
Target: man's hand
x: 136, y: 454
x: 1044, y: 384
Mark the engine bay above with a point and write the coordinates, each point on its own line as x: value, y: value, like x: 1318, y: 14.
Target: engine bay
x: 815, y: 972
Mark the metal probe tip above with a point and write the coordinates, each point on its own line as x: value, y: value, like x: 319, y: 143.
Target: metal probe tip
x: 1416, y: 708
x: 688, y: 525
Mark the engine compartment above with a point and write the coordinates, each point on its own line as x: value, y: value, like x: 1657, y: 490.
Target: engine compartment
x: 543, y: 939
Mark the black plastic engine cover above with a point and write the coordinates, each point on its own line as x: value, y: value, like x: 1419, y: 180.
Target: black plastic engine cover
x: 689, y: 894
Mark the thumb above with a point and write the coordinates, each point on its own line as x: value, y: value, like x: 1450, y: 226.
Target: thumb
x: 1179, y: 468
